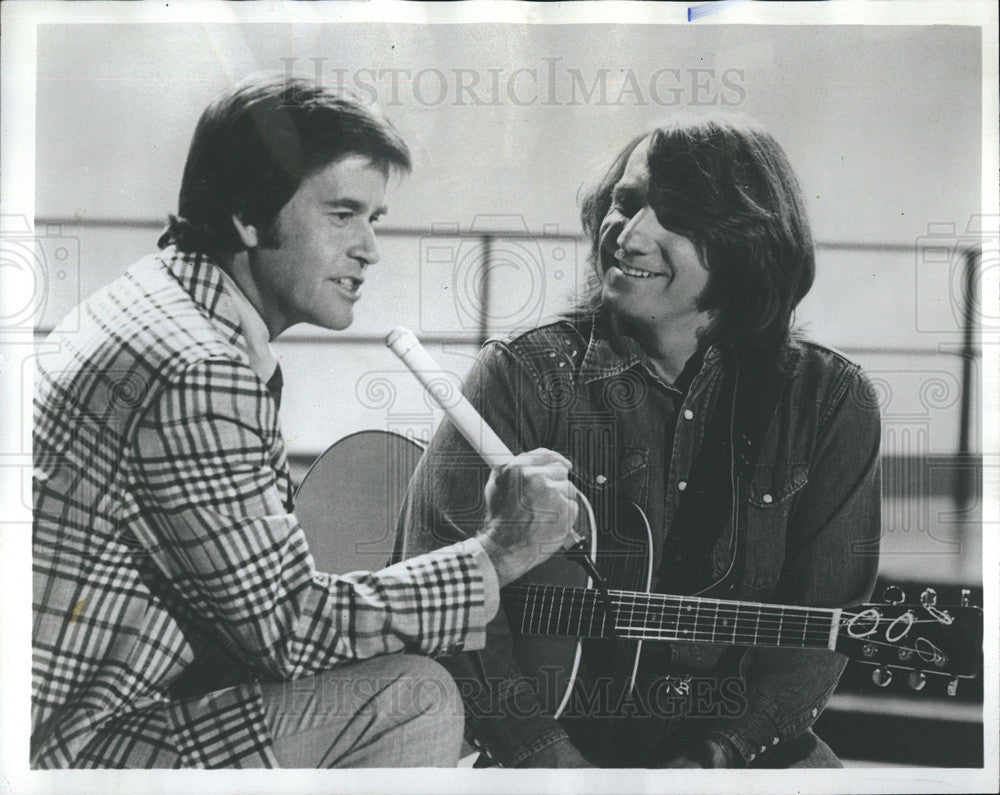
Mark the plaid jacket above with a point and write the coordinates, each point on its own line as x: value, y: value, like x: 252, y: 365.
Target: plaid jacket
x: 161, y: 528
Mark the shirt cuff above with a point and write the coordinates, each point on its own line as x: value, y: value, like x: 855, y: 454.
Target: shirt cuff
x: 491, y: 585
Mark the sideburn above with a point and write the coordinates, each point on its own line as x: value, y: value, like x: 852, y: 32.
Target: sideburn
x: 269, y: 235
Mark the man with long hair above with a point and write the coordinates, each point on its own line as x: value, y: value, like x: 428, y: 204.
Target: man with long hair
x: 179, y: 619
x: 681, y: 387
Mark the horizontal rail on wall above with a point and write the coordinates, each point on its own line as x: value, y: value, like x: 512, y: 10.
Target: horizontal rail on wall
x: 486, y: 237
x: 306, y: 338
x: 404, y: 231
x: 473, y: 339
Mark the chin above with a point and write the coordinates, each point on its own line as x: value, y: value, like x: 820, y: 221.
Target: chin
x: 625, y: 310
x: 336, y: 323
x: 615, y: 299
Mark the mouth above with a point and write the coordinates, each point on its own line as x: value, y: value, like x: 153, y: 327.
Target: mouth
x: 349, y: 285
x: 630, y: 270
x: 634, y: 272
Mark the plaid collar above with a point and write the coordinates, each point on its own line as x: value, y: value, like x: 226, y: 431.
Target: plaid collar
x: 214, y: 291
x: 202, y: 279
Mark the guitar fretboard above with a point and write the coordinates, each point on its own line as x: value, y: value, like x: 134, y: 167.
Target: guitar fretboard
x: 580, y: 612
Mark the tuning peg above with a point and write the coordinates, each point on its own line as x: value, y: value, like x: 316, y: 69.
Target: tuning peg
x: 966, y: 594
x: 928, y: 598
x: 916, y: 680
x: 953, y: 687
x: 881, y: 676
x: 894, y: 595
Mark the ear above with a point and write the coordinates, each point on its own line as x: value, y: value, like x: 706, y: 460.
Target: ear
x: 247, y: 232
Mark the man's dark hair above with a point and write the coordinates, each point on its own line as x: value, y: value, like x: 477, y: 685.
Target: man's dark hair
x: 253, y: 146
x: 725, y: 184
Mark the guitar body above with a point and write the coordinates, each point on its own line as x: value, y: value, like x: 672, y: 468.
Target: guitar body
x: 348, y: 505
x: 578, y: 678
x: 594, y: 669
x: 350, y: 500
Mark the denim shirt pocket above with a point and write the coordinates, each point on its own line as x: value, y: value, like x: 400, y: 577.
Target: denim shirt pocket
x: 623, y: 475
x: 770, y: 496
x: 613, y: 485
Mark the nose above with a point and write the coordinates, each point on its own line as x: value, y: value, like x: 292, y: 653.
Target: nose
x: 365, y: 249
x: 633, y: 233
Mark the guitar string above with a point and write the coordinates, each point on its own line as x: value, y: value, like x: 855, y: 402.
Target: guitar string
x: 631, y: 599
x: 739, y: 638
x: 665, y: 634
x: 663, y: 600
x: 762, y: 626
x: 788, y: 623
x: 701, y: 610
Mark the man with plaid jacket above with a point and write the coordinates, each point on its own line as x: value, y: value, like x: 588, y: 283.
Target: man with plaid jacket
x: 179, y: 620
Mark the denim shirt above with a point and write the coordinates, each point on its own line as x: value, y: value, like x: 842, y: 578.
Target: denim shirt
x: 803, y: 528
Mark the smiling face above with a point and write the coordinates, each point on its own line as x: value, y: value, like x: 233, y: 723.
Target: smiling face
x: 651, y: 277
x: 324, y: 240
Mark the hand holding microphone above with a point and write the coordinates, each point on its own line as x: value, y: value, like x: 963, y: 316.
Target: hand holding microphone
x: 531, y: 504
x: 531, y: 508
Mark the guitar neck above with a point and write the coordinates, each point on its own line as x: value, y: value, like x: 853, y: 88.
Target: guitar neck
x: 580, y: 612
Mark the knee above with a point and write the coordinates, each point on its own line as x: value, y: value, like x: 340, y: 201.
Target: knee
x: 424, y: 697
x: 430, y: 687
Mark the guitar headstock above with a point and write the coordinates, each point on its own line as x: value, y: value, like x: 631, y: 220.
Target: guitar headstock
x: 916, y: 640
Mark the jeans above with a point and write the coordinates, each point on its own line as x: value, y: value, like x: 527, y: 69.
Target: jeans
x: 397, y: 710
x: 806, y: 750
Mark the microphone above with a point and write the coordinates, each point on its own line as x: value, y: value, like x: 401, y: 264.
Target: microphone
x: 483, y: 439
x: 470, y: 423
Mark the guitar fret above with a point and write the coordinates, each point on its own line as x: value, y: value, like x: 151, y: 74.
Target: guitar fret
x: 559, y: 615
x: 528, y: 612
x: 781, y: 621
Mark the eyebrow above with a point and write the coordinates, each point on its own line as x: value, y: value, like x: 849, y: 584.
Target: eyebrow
x: 355, y: 206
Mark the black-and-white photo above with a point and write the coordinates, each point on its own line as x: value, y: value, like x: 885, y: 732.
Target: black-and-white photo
x: 601, y: 389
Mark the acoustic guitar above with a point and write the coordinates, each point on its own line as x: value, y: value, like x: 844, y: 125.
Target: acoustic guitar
x: 583, y: 645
